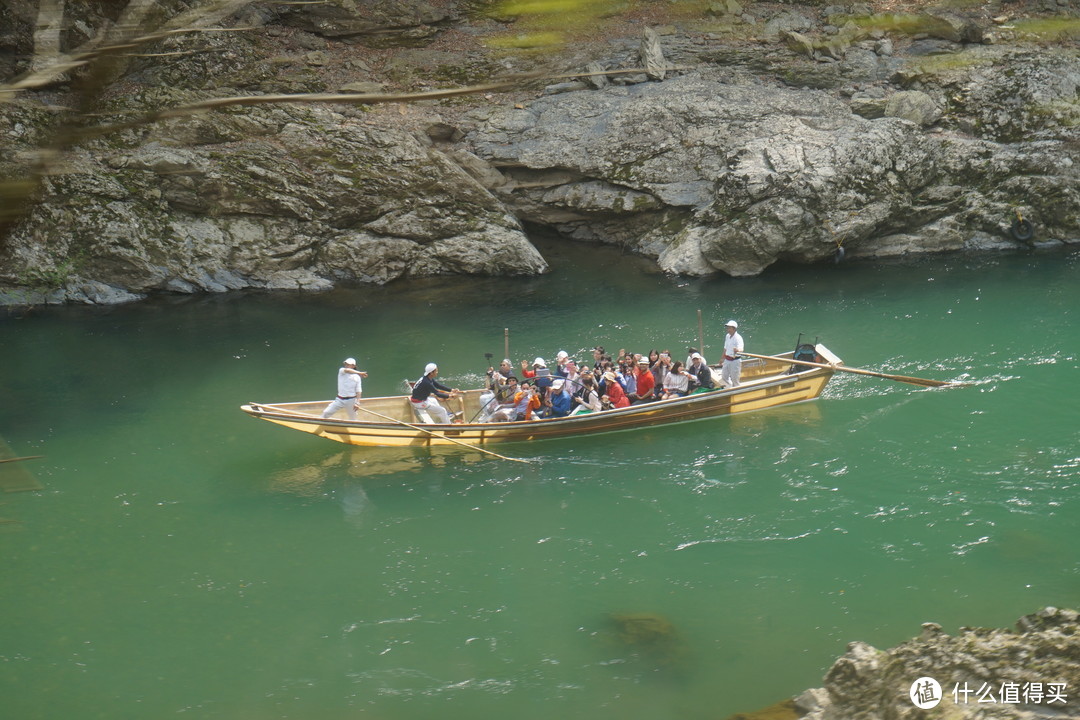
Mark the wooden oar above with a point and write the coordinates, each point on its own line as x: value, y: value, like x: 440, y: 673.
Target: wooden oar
x: 28, y: 457
x: 857, y: 371
x: 700, y: 334
x: 440, y: 435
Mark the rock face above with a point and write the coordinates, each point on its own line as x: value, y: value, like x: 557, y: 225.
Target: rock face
x: 1031, y: 672
x: 708, y: 176
x: 802, y: 131
x: 281, y: 199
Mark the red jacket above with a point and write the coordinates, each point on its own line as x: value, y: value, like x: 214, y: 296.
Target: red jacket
x: 616, y: 395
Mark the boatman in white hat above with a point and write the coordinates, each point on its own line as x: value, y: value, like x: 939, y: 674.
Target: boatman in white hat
x: 427, y: 391
x: 733, y: 345
x: 349, y: 388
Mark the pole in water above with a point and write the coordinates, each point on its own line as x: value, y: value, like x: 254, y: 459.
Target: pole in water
x: 700, y: 334
x: 506, y: 343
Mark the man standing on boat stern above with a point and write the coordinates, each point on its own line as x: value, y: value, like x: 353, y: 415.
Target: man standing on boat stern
x: 427, y: 391
x: 733, y: 345
x: 349, y: 388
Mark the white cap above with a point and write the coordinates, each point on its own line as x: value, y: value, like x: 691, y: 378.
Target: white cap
x: 558, y: 384
x: 430, y: 368
x: 540, y: 362
x: 349, y: 361
x: 696, y: 356
x: 562, y: 355
x: 732, y: 323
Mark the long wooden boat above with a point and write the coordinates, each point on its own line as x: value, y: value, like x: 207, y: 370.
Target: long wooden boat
x: 765, y: 384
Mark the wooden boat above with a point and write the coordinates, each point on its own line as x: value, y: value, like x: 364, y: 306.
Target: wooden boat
x: 766, y: 383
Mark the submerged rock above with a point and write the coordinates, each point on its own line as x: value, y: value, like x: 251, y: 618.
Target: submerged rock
x: 653, y: 638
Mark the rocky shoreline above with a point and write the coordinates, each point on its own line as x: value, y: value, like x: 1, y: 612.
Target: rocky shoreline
x: 718, y: 141
x: 980, y: 673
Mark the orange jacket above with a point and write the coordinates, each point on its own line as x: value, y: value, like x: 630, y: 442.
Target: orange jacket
x: 534, y: 403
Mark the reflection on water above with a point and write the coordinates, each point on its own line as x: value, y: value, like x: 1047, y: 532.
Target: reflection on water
x: 312, y: 479
x: 806, y: 414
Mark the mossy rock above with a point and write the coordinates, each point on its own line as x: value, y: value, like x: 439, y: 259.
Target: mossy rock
x: 645, y: 631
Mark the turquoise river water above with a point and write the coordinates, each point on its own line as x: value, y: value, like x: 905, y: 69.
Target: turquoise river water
x: 185, y: 560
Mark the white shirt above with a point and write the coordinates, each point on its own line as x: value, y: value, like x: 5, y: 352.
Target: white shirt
x: 348, y: 384
x: 678, y: 383
x: 733, y: 344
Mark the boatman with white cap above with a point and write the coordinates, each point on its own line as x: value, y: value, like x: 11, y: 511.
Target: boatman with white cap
x: 349, y: 388
x: 733, y: 345
x: 427, y: 391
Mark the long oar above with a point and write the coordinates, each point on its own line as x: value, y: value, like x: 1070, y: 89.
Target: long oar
x: 17, y: 459
x: 440, y: 435
x: 857, y: 371
x: 700, y: 334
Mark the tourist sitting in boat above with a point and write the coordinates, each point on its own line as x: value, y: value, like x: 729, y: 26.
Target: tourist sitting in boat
x: 495, y: 390
x: 700, y: 373
x: 501, y: 408
x: 529, y: 371
x: 498, y: 376
x: 498, y: 406
x: 561, y: 358
x: 559, y: 400
x: 626, y: 377
x: 504, y: 394
x: 690, y: 353
x: 571, y: 374
x: 644, y: 382
x: 586, y: 398
x: 660, y: 368
x: 526, y: 402
x: 614, y: 395
x: 427, y: 391
x: 606, y: 366
x: 543, y: 378
x: 676, y: 382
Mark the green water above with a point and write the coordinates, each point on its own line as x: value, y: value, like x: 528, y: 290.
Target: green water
x: 187, y: 560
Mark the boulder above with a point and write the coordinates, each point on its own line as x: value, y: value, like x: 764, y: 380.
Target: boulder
x: 914, y: 106
x: 652, y: 55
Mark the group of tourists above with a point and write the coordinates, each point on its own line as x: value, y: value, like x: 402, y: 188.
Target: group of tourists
x: 569, y: 388
x: 608, y: 382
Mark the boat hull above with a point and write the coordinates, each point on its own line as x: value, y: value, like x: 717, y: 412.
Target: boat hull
x: 768, y: 386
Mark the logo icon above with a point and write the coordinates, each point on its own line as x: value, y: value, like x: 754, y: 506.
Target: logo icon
x: 925, y: 693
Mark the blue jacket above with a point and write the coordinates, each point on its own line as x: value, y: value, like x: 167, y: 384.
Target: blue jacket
x: 560, y: 404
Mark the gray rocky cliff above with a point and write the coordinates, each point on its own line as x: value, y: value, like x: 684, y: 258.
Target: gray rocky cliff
x: 791, y: 132
x: 293, y: 198
x: 707, y: 172
x: 1023, y: 674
